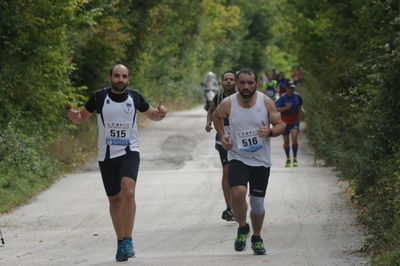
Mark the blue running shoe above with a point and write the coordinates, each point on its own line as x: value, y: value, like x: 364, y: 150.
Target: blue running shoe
x: 240, y: 241
x: 129, y: 247
x: 257, y: 246
x: 122, y: 254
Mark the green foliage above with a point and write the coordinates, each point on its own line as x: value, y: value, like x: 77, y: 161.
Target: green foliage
x: 350, y: 50
x: 98, y: 42
x: 391, y: 251
x: 182, y: 40
x: 36, y: 62
x: 279, y: 59
x: 24, y: 166
x: 256, y: 21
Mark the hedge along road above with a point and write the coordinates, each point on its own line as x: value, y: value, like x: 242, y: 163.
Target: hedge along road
x: 179, y: 205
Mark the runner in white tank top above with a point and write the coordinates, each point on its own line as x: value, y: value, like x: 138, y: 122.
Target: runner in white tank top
x: 248, y: 143
x: 248, y: 146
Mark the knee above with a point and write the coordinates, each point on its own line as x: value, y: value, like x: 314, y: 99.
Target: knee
x: 115, y: 201
x: 128, y: 188
x: 257, y: 205
x: 238, y: 193
x: 128, y: 193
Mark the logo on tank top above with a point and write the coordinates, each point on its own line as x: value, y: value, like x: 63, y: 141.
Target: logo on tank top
x: 128, y: 107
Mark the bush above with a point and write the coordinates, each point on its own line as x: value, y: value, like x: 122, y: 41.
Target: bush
x: 24, y: 166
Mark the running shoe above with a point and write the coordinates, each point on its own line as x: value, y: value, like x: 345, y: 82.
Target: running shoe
x: 257, y: 246
x: 295, y: 164
x: 129, y: 247
x: 227, y: 215
x: 288, y: 162
x: 240, y: 241
x: 122, y: 254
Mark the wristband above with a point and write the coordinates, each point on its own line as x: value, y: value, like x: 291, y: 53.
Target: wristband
x: 270, y: 134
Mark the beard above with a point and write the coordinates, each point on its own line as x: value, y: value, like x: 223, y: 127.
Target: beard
x: 229, y: 89
x: 119, y: 86
x: 246, y: 96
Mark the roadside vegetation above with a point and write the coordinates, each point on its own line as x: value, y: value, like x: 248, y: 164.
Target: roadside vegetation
x: 55, y: 52
x: 351, y: 52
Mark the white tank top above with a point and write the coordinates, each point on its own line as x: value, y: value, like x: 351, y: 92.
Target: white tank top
x: 248, y: 147
x: 117, y: 128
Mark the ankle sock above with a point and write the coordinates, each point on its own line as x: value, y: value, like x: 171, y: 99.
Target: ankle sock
x: 245, y: 229
x: 256, y: 239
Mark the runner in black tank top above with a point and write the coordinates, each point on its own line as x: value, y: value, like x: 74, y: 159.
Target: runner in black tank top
x: 229, y: 86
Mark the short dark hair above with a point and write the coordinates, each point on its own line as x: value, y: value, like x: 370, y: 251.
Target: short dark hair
x: 112, y: 69
x: 226, y: 72
x: 248, y: 71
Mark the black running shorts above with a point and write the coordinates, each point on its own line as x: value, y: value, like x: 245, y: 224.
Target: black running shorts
x: 257, y: 176
x: 114, y: 169
x: 223, y: 154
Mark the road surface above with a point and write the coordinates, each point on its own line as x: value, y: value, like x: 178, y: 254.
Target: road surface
x: 179, y: 204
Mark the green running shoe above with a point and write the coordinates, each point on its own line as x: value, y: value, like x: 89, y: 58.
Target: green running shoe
x: 295, y: 164
x: 240, y: 241
x: 257, y: 246
x: 288, y: 162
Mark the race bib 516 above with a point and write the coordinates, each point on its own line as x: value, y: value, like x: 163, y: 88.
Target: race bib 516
x: 249, y: 140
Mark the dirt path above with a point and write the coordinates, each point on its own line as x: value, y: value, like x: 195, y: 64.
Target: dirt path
x: 179, y: 201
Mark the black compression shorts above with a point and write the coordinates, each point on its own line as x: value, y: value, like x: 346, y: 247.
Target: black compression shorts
x: 257, y: 176
x: 114, y: 169
x: 223, y: 154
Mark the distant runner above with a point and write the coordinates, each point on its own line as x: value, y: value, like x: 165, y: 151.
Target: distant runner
x: 229, y: 85
x: 290, y: 105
